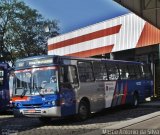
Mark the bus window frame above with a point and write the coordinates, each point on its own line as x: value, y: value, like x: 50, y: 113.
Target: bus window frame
x: 144, y: 76
x: 68, y: 83
x: 135, y: 75
x: 105, y: 70
x: 140, y: 73
x: 91, y: 63
x: 116, y: 65
x: 121, y: 63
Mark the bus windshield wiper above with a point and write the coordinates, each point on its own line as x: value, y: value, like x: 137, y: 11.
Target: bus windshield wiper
x: 38, y: 90
x: 24, y: 92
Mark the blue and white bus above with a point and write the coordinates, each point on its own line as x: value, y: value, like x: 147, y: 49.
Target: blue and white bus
x: 4, y: 87
x: 58, y: 86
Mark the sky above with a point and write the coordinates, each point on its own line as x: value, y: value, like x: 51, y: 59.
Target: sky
x: 75, y: 14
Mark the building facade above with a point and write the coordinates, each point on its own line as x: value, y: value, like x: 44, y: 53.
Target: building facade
x: 127, y: 37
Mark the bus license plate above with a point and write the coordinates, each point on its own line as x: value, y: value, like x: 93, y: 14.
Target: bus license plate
x: 31, y: 111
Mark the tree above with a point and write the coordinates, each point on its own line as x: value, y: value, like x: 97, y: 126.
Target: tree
x: 22, y: 31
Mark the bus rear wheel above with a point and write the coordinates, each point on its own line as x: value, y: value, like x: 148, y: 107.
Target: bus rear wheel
x: 83, y: 111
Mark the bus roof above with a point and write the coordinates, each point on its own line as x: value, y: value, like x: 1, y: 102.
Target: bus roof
x: 55, y: 59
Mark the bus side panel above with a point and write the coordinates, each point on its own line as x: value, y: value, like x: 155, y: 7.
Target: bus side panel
x: 148, y: 88
x: 110, y: 91
x: 124, y: 91
x: 136, y: 86
x: 144, y: 89
x: 94, y: 92
x: 68, y: 102
x: 120, y: 93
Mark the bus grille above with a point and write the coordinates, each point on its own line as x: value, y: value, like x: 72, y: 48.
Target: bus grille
x: 32, y: 105
x: 27, y: 112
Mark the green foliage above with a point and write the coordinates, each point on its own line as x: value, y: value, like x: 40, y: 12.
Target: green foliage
x: 22, y: 31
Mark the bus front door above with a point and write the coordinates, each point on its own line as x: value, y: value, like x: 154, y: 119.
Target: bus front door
x: 67, y: 99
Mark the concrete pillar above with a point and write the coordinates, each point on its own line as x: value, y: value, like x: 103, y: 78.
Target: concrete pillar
x: 111, y: 56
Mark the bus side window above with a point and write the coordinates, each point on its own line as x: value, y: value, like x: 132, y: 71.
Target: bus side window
x: 1, y: 77
x: 147, y: 72
x: 112, y: 70
x: 68, y: 76
x: 124, y: 74
x: 138, y: 71
x: 85, y: 71
x: 132, y: 73
x: 100, y: 72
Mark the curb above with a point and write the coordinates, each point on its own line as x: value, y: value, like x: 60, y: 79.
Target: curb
x: 124, y: 124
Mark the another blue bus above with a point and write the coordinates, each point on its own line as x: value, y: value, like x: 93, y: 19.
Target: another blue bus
x: 4, y: 87
x: 58, y: 86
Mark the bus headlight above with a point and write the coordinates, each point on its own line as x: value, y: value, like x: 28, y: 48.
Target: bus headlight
x: 53, y: 103
x: 48, y: 103
x: 18, y: 105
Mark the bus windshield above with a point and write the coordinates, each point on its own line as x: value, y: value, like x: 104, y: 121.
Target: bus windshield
x: 36, y: 81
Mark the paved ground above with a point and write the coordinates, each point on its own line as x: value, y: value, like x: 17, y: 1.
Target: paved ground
x: 153, y: 123
x: 68, y: 126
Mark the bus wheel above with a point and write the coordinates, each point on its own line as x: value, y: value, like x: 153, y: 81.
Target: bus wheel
x: 135, y: 100
x: 83, y: 111
x: 45, y: 120
x: 16, y: 114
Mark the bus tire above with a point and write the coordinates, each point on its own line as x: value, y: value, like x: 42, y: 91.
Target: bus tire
x: 45, y: 120
x: 83, y: 111
x: 16, y: 114
x: 135, y: 102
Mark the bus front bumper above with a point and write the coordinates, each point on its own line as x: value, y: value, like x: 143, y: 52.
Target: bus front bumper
x: 39, y: 112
